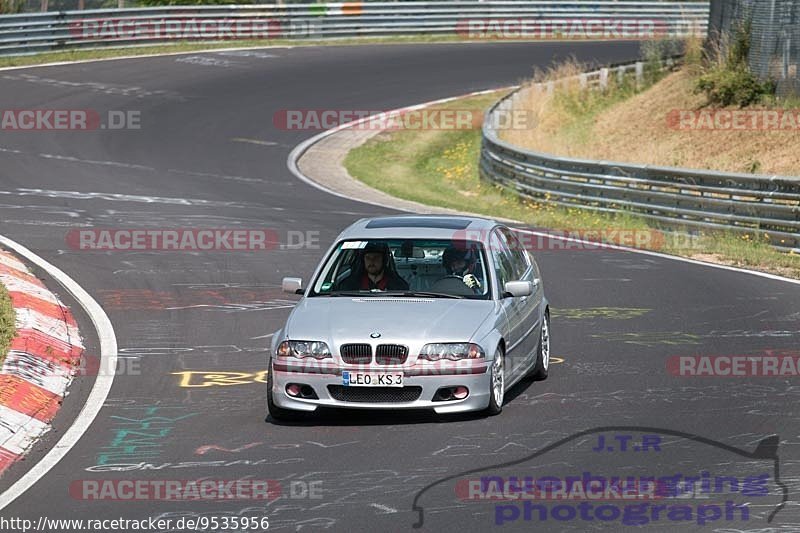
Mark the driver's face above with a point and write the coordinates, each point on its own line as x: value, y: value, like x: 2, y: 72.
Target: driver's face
x: 459, y: 265
x: 373, y: 262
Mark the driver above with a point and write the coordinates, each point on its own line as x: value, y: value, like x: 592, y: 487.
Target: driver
x: 377, y: 273
x: 461, y: 262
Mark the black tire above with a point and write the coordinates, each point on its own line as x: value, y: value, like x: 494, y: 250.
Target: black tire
x: 540, y: 370
x: 279, y: 413
x: 495, y: 406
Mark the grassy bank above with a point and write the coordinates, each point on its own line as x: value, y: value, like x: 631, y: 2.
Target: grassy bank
x: 7, y: 329
x: 440, y: 167
x: 647, y: 128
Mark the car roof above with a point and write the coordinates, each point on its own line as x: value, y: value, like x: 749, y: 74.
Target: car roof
x: 420, y: 227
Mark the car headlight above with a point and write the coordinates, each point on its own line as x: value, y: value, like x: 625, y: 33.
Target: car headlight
x: 304, y: 349
x: 451, y: 351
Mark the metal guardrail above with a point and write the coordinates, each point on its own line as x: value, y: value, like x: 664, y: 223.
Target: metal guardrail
x: 671, y: 197
x: 32, y: 33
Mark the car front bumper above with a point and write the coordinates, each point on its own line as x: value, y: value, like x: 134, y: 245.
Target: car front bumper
x: 475, y: 377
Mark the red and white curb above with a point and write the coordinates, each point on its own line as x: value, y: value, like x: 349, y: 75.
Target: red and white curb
x: 40, y: 364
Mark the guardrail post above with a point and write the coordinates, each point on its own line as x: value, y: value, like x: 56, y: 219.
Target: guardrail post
x: 639, y: 73
x: 604, y: 78
x: 551, y: 86
x: 584, y: 80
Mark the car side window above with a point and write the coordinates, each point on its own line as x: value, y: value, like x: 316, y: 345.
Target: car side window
x: 503, y: 263
x: 519, y: 257
x: 335, y: 272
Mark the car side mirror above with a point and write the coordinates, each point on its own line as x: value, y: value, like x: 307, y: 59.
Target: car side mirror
x: 292, y: 285
x: 519, y: 289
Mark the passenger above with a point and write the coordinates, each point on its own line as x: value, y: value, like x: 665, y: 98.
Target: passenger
x: 459, y: 262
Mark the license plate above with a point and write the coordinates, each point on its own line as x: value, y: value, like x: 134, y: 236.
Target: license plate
x: 372, y: 379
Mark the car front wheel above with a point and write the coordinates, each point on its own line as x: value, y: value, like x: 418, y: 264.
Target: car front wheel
x: 497, y: 383
x: 543, y: 352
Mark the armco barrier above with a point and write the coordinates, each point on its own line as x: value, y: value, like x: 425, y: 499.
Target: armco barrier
x: 677, y: 197
x: 31, y: 33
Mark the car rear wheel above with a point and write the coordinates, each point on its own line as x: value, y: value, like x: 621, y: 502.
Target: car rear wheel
x: 497, y: 383
x: 279, y: 413
x: 539, y: 372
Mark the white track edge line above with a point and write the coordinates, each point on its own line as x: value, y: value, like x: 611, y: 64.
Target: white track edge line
x: 100, y: 389
x: 298, y: 151
x: 304, y: 146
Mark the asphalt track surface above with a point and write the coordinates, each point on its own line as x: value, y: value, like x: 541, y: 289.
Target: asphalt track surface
x: 209, y: 313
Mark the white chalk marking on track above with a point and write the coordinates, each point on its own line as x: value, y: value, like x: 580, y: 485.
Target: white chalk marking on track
x: 100, y: 389
x: 386, y: 509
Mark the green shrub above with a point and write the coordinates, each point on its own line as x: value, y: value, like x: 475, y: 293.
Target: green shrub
x: 739, y: 86
x: 728, y: 80
x: 11, y: 6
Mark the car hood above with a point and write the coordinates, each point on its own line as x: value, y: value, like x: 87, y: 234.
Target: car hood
x: 347, y: 319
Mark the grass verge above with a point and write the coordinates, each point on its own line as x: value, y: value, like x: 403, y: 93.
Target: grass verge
x: 7, y: 329
x: 440, y: 167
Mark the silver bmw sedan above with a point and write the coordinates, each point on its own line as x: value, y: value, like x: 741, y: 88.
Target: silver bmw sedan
x: 408, y: 312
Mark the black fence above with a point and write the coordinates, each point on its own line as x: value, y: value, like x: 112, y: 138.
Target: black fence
x: 774, y: 41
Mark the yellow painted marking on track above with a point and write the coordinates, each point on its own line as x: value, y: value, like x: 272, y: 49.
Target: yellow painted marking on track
x: 199, y: 379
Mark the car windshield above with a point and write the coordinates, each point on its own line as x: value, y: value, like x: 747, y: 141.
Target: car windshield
x: 405, y: 267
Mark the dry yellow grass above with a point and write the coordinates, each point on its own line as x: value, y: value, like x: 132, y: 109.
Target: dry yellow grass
x: 636, y: 130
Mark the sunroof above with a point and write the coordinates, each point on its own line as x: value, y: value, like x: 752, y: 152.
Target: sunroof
x: 419, y: 222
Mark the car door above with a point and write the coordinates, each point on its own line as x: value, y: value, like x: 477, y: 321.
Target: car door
x: 504, y: 271
x: 529, y: 307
